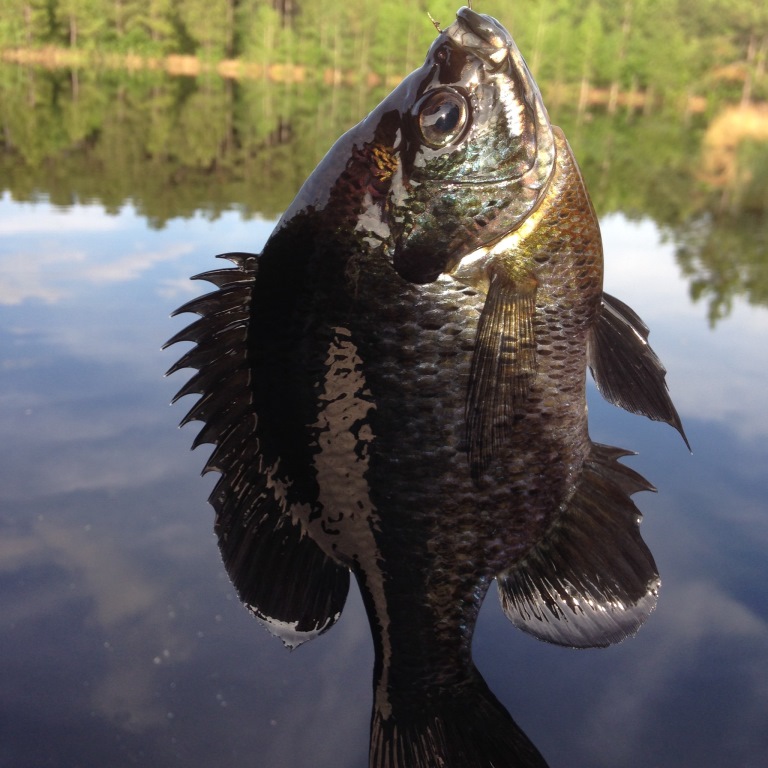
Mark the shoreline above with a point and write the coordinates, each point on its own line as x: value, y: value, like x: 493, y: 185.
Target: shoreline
x: 51, y: 57
x: 182, y: 65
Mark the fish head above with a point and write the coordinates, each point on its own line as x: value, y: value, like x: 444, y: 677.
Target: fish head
x: 474, y: 148
x: 456, y: 157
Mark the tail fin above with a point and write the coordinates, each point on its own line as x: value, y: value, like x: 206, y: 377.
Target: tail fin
x: 463, y: 727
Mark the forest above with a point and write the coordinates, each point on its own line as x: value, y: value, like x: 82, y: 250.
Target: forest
x: 664, y: 50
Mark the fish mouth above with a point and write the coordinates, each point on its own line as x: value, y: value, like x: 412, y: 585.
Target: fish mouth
x: 480, y: 34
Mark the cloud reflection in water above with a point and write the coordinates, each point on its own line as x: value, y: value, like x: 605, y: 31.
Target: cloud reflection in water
x: 113, y: 599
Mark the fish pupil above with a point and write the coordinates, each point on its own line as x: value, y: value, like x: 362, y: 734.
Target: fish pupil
x: 442, y: 117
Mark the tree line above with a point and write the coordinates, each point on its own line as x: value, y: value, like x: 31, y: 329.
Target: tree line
x: 173, y: 146
x: 662, y: 48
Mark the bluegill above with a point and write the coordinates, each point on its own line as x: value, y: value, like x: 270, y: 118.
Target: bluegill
x: 395, y: 388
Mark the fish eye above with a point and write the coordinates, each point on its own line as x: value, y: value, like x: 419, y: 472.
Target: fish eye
x: 442, y: 116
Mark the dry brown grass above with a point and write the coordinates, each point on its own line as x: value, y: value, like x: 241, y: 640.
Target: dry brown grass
x: 189, y: 66
x: 726, y: 132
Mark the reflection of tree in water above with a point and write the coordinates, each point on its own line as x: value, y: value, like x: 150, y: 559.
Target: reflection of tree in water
x: 723, y: 247
x: 175, y: 146
x: 704, y: 184
x: 171, y: 146
x: 725, y: 255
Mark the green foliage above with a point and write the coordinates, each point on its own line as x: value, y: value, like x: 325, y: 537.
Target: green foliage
x: 663, y: 47
x: 259, y: 35
x: 208, y: 25
x: 15, y: 24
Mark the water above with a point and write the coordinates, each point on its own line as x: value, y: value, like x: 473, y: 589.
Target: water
x: 122, y: 642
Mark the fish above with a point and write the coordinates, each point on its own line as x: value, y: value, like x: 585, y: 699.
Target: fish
x: 395, y: 391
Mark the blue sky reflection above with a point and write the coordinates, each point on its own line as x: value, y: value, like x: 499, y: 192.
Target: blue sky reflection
x: 113, y: 599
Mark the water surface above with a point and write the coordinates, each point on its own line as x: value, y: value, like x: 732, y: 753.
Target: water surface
x: 121, y: 640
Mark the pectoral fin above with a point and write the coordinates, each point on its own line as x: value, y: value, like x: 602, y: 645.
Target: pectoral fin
x: 626, y: 370
x: 503, y: 365
x: 592, y: 580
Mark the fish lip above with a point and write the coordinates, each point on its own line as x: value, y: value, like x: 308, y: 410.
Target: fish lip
x: 481, y: 34
x: 484, y: 27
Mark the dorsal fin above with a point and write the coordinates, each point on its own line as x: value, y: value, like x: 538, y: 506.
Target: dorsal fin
x: 280, y: 573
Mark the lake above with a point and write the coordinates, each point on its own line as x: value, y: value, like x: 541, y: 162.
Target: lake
x: 123, y: 642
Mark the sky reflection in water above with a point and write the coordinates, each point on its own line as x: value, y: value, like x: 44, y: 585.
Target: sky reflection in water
x: 122, y: 642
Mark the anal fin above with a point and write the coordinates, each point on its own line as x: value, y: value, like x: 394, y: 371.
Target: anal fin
x: 592, y: 581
